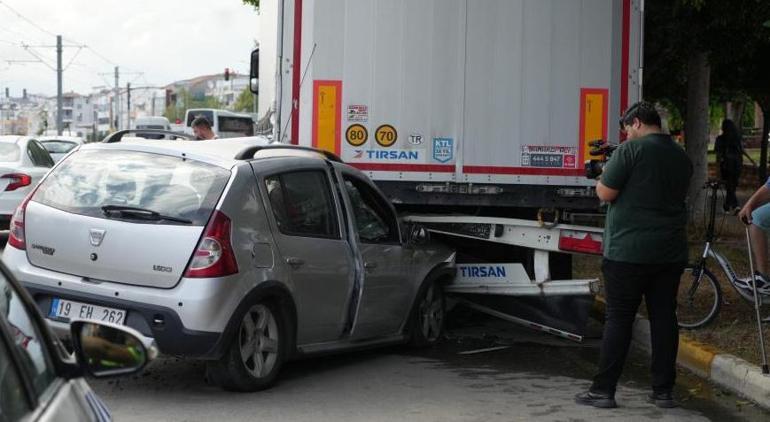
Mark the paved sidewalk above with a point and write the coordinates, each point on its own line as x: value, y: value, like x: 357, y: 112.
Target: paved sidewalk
x: 726, y: 370
x: 729, y: 371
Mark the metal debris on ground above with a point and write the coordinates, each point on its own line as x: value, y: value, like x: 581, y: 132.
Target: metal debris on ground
x: 485, y: 350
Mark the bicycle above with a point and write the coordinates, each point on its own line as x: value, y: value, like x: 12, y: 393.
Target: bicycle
x: 700, y: 295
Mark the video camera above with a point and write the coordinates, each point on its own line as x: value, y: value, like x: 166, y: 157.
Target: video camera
x: 599, y: 148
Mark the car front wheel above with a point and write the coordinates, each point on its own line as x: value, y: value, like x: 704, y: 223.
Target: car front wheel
x: 428, y: 315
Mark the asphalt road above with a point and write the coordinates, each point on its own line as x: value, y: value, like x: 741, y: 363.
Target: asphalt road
x: 534, y: 378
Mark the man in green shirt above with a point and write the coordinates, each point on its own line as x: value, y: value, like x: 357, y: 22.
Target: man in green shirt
x: 645, y: 250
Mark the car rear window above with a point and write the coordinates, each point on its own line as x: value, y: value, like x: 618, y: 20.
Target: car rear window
x: 59, y: 147
x: 171, y: 186
x: 9, y: 152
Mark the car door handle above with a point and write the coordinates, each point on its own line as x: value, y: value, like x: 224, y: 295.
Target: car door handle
x: 370, y: 265
x: 295, y: 262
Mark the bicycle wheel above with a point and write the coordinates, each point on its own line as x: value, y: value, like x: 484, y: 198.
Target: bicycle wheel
x: 698, y: 299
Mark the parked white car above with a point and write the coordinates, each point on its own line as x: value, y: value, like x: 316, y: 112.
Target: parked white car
x: 23, y: 163
x: 59, y: 146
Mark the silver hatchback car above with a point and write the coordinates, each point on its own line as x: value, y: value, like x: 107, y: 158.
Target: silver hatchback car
x: 244, y: 254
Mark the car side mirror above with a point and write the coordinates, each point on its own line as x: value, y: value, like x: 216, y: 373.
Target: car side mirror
x: 418, y: 235
x: 105, y: 350
x: 254, y: 72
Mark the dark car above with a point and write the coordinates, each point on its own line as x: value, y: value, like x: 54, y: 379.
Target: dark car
x: 39, y: 379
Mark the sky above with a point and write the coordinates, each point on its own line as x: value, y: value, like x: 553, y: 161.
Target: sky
x: 154, y: 42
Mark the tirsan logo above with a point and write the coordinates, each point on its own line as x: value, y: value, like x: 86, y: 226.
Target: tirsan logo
x: 393, y: 154
x: 483, y: 271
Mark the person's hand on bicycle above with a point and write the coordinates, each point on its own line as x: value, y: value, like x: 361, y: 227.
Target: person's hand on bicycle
x: 745, y: 213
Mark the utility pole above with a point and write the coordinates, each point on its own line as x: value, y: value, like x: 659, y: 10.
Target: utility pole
x: 117, y: 99
x: 128, y: 105
x: 59, y: 98
x: 95, y: 126
x: 152, y: 113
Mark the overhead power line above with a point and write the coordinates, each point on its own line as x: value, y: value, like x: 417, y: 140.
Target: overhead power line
x: 93, y: 50
x: 40, y: 28
x: 26, y: 19
x: 74, y: 56
x: 37, y: 56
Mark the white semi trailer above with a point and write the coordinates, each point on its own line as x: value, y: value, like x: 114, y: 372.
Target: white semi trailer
x: 477, y: 112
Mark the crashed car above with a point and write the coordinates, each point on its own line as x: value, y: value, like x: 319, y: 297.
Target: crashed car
x: 240, y: 253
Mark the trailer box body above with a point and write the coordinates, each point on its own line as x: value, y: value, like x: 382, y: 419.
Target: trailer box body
x: 466, y: 102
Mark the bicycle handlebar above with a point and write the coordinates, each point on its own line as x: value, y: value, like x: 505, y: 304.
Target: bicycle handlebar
x: 713, y: 184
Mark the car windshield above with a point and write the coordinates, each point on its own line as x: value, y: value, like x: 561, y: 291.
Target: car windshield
x: 59, y: 147
x: 175, y: 187
x: 9, y: 153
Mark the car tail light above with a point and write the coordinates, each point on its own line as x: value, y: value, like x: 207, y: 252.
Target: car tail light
x: 580, y: 241
x: 16, y: 237
x: 18, y: 180
x: 214, y: 256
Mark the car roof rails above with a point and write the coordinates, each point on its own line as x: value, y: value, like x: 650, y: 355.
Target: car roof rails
x: 249, y: 152
x: 117, y: 136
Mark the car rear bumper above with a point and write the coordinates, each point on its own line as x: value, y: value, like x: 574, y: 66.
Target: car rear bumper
x: 187, y: 320
x: 154, y: 322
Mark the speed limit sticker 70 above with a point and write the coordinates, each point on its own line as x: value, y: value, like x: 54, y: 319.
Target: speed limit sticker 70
x: 356, y: 135
x: 386, y: 135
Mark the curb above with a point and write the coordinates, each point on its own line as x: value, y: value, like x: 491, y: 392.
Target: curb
x: 726, y: 370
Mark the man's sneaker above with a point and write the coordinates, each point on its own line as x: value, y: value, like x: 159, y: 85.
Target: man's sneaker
x: 603, y: 401
x: 745, y: 287
x: 663, y: 400
x: 763, y: 283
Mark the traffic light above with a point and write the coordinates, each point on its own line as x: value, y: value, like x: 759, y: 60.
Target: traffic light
x: 227, y: 73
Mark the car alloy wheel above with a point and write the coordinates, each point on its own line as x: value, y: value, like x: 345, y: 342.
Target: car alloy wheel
x: 258, y: 340
x: 431, y: 313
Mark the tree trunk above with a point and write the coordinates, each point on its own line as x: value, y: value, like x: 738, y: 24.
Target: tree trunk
x: 734, y: 111
x: 697, y: 124
x: 765, y: 105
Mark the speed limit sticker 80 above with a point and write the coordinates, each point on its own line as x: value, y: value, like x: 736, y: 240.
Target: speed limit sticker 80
x: 356, y: 135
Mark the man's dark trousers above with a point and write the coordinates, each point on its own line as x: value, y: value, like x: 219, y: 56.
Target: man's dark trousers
x: 625, y: 284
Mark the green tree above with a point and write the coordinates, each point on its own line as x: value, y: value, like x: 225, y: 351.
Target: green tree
x: 254, y: 3
x: 245, y: 101
x: 689, y: 46
x: 757, y: 85
x: 186, y: 101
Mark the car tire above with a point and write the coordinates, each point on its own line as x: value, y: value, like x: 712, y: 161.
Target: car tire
x: 256, y: 352
x: 428, y: 315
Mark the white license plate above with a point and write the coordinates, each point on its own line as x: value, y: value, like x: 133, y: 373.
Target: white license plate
x: 66, y: 310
